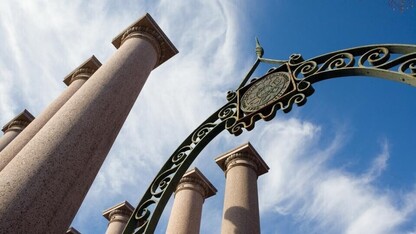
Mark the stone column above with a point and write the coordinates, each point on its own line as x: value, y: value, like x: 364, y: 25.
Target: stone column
x: 192, y: 190
x: 42, y: 188
x: 242, y: 166
x: 74, y: 81
x: 13, y: 128
x: 118, y: 216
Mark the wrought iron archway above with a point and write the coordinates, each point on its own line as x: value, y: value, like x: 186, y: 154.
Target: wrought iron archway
x: 280, y: 88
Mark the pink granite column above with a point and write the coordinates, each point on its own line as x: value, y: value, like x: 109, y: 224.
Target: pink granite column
x: 42, y: 188
x: 192, y: 190
x: 118, y: 216
x: 13, y: 128
x: 74, y: 80
x: 242, y: 166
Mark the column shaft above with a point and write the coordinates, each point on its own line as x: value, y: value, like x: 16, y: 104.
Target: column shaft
x: 42, y: 188
x: 192, y: 190
x: 8, y: 137
x: 241, y: 210
x: 117, y: 224
x: 13, y: 148
x: 242, y: 167
x: 185, y: 217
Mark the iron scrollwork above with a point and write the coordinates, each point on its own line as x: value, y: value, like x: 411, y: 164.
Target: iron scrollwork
x: 280, y: 88
x: 390, y: 61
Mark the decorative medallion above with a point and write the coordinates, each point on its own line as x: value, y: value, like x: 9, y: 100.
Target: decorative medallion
x: 265, y: 91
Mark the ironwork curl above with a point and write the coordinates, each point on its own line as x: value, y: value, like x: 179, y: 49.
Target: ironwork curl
x: 228, y: 114
x: 306, y: 69
x: 375, y: 57
x: 181, y: 155
x: 409, y: 65
x: 231, y: 95
x: 295, y: 59
x: 338, y: 61
x: 162, y: 181
x: 145, y: 212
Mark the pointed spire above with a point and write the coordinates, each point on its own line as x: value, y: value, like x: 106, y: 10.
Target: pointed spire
x: 259, y: 49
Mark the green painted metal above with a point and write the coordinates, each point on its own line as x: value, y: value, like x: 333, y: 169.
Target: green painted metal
x: 279, y: 88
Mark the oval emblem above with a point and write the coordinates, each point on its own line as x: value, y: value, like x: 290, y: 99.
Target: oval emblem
x: 265, y: 91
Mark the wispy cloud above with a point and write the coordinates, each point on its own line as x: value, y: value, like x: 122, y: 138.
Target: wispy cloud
x: 45, y: 40
x: 320, y: 198
x: 378, y: 165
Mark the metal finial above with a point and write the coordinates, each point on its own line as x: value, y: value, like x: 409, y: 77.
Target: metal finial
x: 259, y: 49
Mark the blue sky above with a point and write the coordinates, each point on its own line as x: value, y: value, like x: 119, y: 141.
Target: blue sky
x: 343, y: 163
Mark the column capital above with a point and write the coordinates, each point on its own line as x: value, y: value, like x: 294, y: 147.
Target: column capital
x: 123, y: 209
x: 83, y: 71
x: 195, y: 177
x: 243, y: 155
x: 147, y: 29
x: 19, y: 122
x: 72, y: 230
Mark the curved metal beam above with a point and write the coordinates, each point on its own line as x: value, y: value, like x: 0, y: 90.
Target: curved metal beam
x: 392, y: 62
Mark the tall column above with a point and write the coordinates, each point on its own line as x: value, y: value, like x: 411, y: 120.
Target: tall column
x: 118, y: 216
x: 74, y: 81
x: 192, y: 190
x: 42, y: 188
x: 242, y: 166
x: 13, y: 128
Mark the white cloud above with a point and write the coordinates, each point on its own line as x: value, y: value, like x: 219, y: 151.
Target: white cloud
x: 378, y: 165
x: 302, y: 185
x: 45, y: 40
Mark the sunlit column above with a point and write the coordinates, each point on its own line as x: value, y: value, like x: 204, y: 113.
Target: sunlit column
x: 42, y: 188
x: 192, y: 190
x: 13, y: 128
x: 74, y: 80
x: 242, y: 166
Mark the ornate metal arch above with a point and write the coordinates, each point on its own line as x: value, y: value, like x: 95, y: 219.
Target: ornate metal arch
x: 260, y: 98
